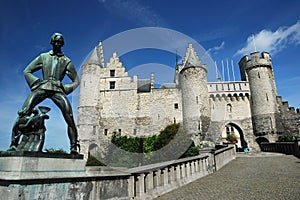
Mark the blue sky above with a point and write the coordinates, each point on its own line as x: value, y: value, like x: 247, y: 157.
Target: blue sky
x: 224, y: 28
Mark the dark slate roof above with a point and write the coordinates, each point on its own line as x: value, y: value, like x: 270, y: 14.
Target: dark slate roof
x: 144, y: 86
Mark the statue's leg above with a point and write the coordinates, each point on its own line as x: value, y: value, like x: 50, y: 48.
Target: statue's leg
x: 64, y: 105
x: 33, y: 99
x: 15, y: 135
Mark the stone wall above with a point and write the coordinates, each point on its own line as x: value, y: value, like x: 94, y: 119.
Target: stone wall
x: 97, y: 183
x: 291, y: 148
x: 289, y: 118
x: 113, y: 102
x: 259, y: 72
x: 138, y: 114
x: 195, y: 100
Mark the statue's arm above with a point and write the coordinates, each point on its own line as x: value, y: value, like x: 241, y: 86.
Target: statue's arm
x: 72, y: 74
x: 34, y: 66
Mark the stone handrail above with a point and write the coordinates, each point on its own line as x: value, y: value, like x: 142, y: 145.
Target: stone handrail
x: 282, y: 147
x: 52, y: 178
x: 148, y: 182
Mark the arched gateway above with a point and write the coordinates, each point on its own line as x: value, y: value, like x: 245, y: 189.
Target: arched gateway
x: 233, y: 133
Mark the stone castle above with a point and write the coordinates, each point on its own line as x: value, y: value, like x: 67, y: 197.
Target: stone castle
x: 113, y: 102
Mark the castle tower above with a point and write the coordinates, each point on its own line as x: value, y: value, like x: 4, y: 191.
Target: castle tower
x: 195, y: 98
x: 88, y: 123
x: 264, y: 109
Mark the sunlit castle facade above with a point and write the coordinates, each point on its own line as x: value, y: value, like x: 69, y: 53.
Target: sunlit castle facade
x: 113, y: 102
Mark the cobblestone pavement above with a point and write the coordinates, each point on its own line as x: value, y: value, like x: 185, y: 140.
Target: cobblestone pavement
x: 252, y: 176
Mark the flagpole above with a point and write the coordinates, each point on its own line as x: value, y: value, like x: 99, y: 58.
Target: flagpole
x: 232, y: 70
x: 228, y: 72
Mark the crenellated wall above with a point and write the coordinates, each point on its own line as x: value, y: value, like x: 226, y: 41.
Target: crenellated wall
x: 263, y: 104
x: 113, y: 102
x: 289, y: 118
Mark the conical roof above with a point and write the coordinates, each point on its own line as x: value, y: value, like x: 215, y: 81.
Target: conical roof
x: 96, y: 56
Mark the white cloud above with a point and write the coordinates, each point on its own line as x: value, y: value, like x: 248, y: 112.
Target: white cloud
x: 272, y: 42
x: 134, y: 11
x: 216, y: 48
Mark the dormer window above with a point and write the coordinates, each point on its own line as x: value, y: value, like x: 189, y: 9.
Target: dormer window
x: 112, y: 73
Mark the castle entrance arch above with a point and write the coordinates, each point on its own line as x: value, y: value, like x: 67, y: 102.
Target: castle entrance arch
x: 235, y: 134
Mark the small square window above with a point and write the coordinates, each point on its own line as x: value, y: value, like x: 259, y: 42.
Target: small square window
x: 176, y: 105
x: 112, y: 85
x: 112, y: 73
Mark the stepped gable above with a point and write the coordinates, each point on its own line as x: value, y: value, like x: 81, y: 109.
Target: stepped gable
x: 191, y: 58
x: 114, y: 61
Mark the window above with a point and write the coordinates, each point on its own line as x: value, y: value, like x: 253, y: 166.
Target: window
x: 112, y: 85
x: 134, y: 131
x: 176, y: 105
x: 229, y: 108
x: 112, y: 73
x: 120, y: 131
x: 105, y: 131
x: 258, y: 74
x: 227, y: 130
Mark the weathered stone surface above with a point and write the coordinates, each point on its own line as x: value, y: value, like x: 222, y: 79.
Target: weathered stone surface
x: 110, y: 101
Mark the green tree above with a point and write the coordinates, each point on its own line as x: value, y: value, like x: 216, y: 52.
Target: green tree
x: 166, y: 136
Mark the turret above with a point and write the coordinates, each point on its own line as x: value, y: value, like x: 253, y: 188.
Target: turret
x: 88, y: 124
x: 195, y: 98
x: 264, y: 109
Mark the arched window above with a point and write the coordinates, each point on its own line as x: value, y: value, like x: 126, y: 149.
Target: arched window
x: 229, y: 108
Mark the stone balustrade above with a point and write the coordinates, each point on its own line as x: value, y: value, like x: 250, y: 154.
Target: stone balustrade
x: 148, y: 182
x: 93, y: 183
x: 292, y: 148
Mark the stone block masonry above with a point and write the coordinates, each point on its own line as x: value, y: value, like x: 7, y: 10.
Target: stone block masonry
x: 102, y: 183
x: 113, y: 102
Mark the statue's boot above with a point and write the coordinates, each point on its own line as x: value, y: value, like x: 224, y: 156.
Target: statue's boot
x: 73, y: 140
x: 12, y: 148
x: 74, y: 148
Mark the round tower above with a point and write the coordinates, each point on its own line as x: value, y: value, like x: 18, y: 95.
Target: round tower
x: 264, y: 109
x: 195, y: 98
x: 88, y: 123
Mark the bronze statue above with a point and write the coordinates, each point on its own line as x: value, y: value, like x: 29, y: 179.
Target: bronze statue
x: 54, y: 65
x: 17, y: 131
x: 32, y: 129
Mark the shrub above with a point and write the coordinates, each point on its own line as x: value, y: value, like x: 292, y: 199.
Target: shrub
x: 52, y: 150
x: 287, y: 138
x: 93, y: 161
x: 191, y: 151
x: 232, y: 138
x: 166, y: 136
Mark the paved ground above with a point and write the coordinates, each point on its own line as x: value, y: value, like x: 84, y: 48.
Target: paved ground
x: 260, y: 176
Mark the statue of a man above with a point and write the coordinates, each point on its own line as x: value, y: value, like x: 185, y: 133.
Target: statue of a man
x: 54, y: 65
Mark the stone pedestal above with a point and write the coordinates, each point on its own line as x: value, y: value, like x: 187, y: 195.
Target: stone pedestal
x: 39, y: 165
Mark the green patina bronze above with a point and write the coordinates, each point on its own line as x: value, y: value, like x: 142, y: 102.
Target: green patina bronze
x: 54, y: 65
x: 32, y: 130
